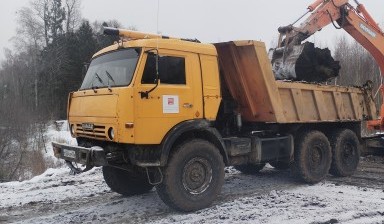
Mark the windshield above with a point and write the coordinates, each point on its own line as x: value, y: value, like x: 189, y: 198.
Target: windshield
x: 112, y: 69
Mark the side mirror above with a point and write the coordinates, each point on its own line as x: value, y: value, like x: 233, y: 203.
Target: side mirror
x: 155, y: 54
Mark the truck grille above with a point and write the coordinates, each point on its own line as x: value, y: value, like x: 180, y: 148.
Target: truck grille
x: 97, y: 132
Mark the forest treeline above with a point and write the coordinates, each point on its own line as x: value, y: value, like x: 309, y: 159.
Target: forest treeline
x: 52, y: 44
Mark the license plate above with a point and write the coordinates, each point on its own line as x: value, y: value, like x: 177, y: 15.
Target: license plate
x: 87, y: 126
x: 69, y: 153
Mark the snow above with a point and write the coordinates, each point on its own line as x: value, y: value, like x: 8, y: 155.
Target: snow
x: 269, y: 197
x: 58, y: 132
x: 54, y: 185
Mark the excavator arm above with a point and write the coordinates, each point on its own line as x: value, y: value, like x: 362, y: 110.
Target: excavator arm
x: 357, y: 21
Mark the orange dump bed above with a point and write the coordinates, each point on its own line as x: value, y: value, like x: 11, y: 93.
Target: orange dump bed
x: 248, y: 75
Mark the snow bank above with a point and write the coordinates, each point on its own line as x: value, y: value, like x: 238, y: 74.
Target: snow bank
x: 54, y: 185
x: 58, y: 132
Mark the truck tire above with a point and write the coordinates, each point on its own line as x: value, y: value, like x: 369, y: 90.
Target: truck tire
x: 193, y: 176
x: 126, y: 183
x: 279, y: 165
x: 312, y: 157
x: 346, y: 153
x: 250, y: 168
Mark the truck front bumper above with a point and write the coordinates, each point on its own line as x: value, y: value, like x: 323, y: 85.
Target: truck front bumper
x: 94, y: 156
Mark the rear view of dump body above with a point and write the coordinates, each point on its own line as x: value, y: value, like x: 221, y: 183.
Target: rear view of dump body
x: 248, y: 75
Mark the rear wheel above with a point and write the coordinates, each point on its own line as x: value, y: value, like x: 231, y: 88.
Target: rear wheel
x: 312, y: 157
x: 250, y: 168
x: 126, y: 183
x: 346, y: 153
x: 193, y: 177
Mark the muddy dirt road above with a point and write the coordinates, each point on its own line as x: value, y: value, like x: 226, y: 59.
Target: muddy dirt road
x: 270, y: 197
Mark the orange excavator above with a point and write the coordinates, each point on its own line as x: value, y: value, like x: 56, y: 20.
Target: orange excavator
x: 356, y: 20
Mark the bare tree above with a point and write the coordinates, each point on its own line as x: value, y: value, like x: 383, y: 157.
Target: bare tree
x: 32, y: 39
x: 51, y: 15
x: 30, y: 29
x: 357, y: 65
x: 40, y: 9
x: 73, y: 14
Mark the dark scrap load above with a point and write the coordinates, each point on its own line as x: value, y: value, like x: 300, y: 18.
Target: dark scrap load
x: 304, y: 63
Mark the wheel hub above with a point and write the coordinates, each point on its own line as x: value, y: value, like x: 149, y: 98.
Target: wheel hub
x: 316, y: 156
x: 348, y: 153
x: 197, y: 175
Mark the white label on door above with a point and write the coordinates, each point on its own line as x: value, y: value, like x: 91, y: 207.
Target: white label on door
x: 170, y: 104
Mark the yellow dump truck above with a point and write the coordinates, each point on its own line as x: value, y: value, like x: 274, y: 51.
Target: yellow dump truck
x: 172, y: 113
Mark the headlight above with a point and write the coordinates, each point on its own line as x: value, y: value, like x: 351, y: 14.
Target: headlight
x: 111, y: 133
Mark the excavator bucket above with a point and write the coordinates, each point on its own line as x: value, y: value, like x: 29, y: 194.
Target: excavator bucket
x: 304, y: 63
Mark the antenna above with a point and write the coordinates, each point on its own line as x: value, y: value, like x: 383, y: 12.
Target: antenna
x: 157, y: 25
x: 157, y: 45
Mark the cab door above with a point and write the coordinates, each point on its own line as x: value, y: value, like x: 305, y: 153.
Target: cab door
x: 176, y: 98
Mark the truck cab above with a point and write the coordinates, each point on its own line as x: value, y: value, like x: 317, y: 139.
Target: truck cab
x: 140, y: 101
x: 135, y: 92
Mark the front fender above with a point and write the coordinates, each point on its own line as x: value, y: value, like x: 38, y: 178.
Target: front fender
x: 201, y: 127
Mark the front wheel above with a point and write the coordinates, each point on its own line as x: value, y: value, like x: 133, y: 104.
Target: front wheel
x: 193, y: 177
x: 126, y: 183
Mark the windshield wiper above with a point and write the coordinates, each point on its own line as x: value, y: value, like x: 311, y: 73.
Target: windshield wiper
x: 98, y: 78
x: 94, y: 88
x: 109, y: 78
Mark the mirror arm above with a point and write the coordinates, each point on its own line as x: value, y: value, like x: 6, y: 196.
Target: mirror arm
x: 146, y: 93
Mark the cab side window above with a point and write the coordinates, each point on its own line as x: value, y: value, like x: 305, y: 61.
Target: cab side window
x: 171, y: 70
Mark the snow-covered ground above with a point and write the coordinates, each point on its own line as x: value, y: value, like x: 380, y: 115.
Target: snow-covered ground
x: 269, y: 197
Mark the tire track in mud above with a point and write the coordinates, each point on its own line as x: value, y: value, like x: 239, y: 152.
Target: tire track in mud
x: 370, y: 174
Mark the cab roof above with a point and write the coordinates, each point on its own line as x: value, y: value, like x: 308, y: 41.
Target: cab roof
x: 171, y: 44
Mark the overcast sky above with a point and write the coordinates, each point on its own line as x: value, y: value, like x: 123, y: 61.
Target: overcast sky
x: 206, y: 20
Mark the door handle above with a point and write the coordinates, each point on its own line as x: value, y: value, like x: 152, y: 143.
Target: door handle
x: 187, y: 105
